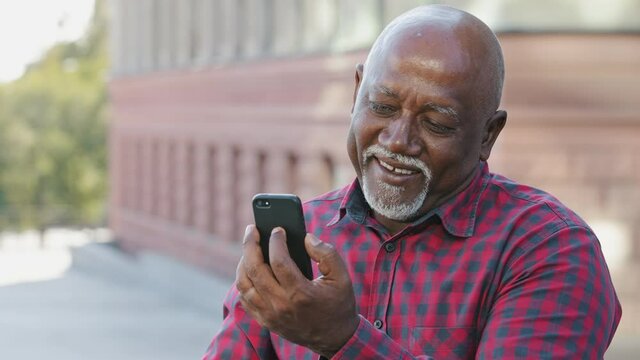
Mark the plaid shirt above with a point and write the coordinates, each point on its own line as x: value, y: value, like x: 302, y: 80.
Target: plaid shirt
x: 501, y: 271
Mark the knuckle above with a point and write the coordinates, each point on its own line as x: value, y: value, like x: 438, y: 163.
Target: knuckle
x: 252, y: 271
x: 246, y: 304
x: 330, y: 253
x: 240, y: 287
x: 244, y: 297
x: 281, y: 308
x: 278, y: 265
x: 243, y: 287
x: 300, y: 298
x: 250, y: 302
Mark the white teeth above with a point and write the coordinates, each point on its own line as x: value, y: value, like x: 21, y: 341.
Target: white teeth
x: 402, y: 171
x: 395, y: 170
x: 386, y: 166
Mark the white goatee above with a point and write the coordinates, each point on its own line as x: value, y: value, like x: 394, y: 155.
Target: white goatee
x: 385, y: 199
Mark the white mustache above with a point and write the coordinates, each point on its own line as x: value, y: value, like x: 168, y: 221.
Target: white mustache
x: 379, y: 150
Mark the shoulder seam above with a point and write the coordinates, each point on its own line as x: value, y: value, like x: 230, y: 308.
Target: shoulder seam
x: 551, y: 233
x: 545, y: 203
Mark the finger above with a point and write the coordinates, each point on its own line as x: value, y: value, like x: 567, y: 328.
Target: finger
x: 252, y: 260
x: 330, y: 263
x: 284, y: 268
x: 243, y: 283
x: 251, y: 306
x: 247, y: 290
x: 254, y: 267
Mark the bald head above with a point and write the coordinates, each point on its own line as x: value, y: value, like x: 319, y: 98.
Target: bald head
x: 425, y: 111
x: 447, y: 39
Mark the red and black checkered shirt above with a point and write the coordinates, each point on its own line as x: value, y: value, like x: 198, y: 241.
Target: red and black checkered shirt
x: 501, y: 271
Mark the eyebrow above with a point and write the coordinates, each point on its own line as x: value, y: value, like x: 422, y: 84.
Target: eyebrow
x: 386, y: 91
x: 445, y: 110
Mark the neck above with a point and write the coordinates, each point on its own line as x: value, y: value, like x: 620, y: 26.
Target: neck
x: 393, y: 226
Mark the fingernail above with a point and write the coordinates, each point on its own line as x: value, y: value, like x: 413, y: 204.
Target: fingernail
x: 276, y: 230
x: 314, y: 240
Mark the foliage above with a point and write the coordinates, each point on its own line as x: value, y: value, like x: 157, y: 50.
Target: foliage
x: 52, y: 136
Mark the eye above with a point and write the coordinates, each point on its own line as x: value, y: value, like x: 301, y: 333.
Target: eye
x: 436, y: 128
x: 381, y: 109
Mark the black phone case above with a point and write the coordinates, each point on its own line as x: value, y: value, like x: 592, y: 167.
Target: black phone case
x: 284, y: 210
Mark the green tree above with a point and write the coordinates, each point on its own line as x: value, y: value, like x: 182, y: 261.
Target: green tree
x: 52, y: 136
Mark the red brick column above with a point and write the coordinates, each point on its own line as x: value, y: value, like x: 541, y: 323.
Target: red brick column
x: 164, y: 201
x: 248, y: 186
x: 147, y: 178
x: 201, y: 189
x: 224, y: 196
x: 277, y: 172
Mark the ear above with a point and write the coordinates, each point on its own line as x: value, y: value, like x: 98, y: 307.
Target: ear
x: 359, y: 70
x: 490, y: 133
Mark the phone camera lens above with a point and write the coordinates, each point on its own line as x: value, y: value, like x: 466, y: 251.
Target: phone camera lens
x: 263, y: 203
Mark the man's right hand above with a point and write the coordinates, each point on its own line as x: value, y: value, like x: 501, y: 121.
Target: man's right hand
x: 319, y: 314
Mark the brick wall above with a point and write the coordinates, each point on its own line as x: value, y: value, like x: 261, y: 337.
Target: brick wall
x: 574, y: 127
x: 189, y: 149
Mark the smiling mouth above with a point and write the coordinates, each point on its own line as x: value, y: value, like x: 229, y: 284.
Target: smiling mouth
x: 396, y: 170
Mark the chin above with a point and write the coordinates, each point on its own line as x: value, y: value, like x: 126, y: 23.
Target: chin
x: 391, y: 201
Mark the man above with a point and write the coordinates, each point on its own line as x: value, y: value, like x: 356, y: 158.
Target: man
x: 426, y: 254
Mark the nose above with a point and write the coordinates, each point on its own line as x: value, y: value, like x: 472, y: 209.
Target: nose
x: 400, y: 136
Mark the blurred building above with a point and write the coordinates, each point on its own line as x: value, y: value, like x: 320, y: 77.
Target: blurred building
x: 216, y: 100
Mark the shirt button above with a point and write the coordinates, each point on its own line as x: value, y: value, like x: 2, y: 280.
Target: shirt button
x: 390, y: 247
x: 378, y: 324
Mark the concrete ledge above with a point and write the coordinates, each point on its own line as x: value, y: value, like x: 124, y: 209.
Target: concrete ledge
x: 172, y: 278
x: 106, y: 260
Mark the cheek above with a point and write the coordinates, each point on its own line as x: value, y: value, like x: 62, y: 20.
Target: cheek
x: 365, y: 129
x: 352, y: 150
x: 443, y: 151
x: 451, y: 162
x: 361, y: 135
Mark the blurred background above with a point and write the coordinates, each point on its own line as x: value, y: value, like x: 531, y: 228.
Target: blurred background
x: 133, y: 135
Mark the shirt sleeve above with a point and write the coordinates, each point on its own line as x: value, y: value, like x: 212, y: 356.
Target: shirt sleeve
x: 556, y: 300
x: 240, y: 337
x: 369, y: 343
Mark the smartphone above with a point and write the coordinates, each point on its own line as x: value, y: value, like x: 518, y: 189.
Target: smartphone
x: 285, y: 211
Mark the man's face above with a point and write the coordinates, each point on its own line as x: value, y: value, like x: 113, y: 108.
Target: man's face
x: 415, y: 137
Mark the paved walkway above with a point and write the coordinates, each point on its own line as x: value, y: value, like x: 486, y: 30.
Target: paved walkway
x: 78, y: 299
x: 52, y: 310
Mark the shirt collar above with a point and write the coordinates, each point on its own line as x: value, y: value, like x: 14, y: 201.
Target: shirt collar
x: 458, y: 214
x: 353, y: 203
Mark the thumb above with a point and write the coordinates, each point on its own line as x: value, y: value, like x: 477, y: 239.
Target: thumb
x: 330, y: 263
